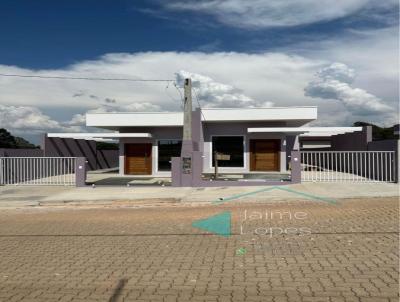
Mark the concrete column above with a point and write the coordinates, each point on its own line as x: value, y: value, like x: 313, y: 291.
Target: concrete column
x: 176, y: 171
x: 80, y: 172
x: 186, y: 162
x: 187, y: 111
x: 197, y: 130
x: 296, y: 166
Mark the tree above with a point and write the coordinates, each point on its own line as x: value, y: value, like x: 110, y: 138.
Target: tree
x: 7, y: 140
x: 378, y: 133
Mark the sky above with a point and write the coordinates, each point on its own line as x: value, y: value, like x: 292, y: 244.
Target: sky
x: 341, y: 56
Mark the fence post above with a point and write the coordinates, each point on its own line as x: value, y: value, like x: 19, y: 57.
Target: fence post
x: 176, y: 169
x: 80, y: 172
x: 397, y: 162
x: 2, y: 182
x: 295, y: 163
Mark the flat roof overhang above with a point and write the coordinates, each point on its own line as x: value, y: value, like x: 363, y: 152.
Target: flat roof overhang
x: 113, y: 121
x: 306, y: 131
x: 134, y: 119
x: 100, y: 136
x: 304, y: 114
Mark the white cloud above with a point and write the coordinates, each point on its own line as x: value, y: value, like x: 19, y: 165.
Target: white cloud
x: 224, y: 79
x: 273, y: 13
x: 80, y: 119
x: 259, y: 77
x: 334, y: 82
x: 373, y: 54
x: 28, y: 119
x: 337, y: 71
x: 20, y: 119
x: 216, y: 94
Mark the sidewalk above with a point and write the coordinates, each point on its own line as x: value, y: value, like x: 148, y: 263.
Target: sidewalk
x: 17, y: 196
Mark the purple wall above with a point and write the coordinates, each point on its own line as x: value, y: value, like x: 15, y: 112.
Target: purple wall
x: 182, y: 176
x: 4, y: 152
x: 356, y: 141
x: 383, y: 145
x: 68, y: 147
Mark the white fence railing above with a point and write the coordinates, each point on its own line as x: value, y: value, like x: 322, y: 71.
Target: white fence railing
x: 348, y: 166
x: 37, y: 170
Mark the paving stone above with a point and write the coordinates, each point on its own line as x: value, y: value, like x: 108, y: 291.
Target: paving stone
x: 154, y: 254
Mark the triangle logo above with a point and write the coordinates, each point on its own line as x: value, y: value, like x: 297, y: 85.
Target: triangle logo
x: 219, y: 224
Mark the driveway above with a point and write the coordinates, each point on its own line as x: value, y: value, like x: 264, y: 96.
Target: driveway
x: 295, y: 250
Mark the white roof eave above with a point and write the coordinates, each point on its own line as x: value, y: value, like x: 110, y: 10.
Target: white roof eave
x: 306, y: 131
x: 99, y: 135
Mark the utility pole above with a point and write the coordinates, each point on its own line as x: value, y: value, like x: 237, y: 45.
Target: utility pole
x: 187, y: 111
x: 187, y: 143
x: 186, y: 170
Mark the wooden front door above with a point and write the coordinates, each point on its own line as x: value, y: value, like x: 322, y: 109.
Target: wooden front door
x: 138, y: 159
x: 264, y: 155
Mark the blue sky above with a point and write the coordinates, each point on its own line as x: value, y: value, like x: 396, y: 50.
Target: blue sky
x: 53, y: 34
x: 243, y: 53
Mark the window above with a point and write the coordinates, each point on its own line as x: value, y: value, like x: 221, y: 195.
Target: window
x: 166, y: 150
x: 228, y: 145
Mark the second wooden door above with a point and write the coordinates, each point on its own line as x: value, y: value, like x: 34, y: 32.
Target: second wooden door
x: 264, y: 154
x: 138, y: 159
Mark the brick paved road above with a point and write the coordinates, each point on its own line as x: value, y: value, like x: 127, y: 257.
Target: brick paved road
x: 323, y: 252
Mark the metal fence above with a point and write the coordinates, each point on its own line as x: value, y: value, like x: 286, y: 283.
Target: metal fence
x: 348, y: 166
x: 37, y: 170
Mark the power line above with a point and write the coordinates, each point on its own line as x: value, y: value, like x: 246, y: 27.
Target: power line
x: 84, y: 78
x: 198, y: 103
x: 180, y: 93
x: 172, y: 98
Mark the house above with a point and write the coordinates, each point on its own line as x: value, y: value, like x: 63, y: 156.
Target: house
x: 252, y: 140
x: 149, y: 140
x: 248, y: 145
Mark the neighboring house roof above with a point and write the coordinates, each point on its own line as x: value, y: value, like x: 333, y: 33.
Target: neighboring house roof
x: 297, y: 116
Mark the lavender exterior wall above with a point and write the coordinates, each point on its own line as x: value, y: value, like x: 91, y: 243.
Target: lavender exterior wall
x: 362, y: 141
x: 68, y: 147
x: 384, y: 145
x: 202, y: 133
x: 107, y: 158
x: 388, y: 145
x: 197, y: 181
x: 292, y: 143
x: 240, y: 129
x: 158, y: 133
x: 5, y: 152
x: 80, y: 171
x: 201, y: 159
x: 356, y: 141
